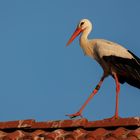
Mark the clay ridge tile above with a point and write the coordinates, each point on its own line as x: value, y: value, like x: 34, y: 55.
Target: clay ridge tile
x: 64, y: 124
x: 17, y: 124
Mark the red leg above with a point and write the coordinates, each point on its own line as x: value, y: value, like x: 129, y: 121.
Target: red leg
x: 89, y: 98
x: 116, y: 116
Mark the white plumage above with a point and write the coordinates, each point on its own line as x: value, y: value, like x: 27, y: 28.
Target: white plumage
x: 107, y: 48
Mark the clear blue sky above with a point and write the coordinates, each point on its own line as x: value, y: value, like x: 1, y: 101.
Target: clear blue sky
x: 42, y: 79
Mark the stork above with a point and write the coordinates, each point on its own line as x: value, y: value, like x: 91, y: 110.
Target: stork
x: 115, y: 60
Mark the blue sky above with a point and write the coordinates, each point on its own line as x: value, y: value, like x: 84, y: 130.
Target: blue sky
x: 42, y: 79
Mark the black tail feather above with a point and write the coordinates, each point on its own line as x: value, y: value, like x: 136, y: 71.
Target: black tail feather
x: 134, y: 77
x: 128, y: 70
x: 133, y: 82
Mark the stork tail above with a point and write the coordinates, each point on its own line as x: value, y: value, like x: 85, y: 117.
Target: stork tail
x: 128, y: 70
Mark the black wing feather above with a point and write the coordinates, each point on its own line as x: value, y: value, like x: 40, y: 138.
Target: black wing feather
x: 128, y: 70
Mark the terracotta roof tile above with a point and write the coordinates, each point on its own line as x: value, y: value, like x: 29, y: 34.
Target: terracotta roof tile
x: 79, y: 129
x: 16, y: 124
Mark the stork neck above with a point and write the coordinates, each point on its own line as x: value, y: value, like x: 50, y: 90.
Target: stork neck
x: 86, y: 44
x: 85, y: 33
x: 84, y: 37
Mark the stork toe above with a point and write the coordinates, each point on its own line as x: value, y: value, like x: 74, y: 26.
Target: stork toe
x: 77, y: 114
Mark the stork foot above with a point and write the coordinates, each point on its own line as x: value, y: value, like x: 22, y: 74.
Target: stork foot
x: 77, y: 114
x: 115, y: 117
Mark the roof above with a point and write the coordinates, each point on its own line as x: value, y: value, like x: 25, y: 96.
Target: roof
x: 79, y: 129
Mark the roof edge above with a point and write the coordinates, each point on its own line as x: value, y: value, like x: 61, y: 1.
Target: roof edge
x: 74, y: 123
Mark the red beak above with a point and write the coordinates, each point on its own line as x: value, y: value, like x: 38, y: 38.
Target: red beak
x: 75, y: 34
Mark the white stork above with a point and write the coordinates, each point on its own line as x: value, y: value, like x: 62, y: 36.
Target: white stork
x: 115, y: 60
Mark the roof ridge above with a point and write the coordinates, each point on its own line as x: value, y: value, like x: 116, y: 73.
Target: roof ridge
x: 73, y: 123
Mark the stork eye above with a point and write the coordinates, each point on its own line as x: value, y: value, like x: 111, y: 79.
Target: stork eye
x: 81, y: 23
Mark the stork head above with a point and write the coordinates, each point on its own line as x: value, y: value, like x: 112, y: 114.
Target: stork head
x: 84, y: 25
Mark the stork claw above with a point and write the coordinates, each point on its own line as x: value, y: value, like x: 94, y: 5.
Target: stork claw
x: 77, y: 114
x: 113, y: 118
